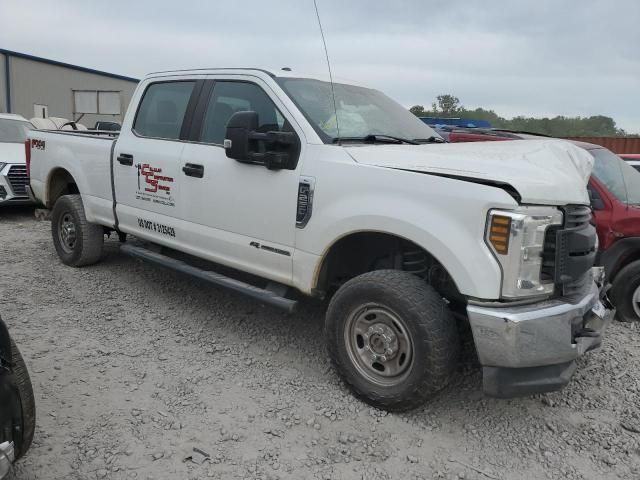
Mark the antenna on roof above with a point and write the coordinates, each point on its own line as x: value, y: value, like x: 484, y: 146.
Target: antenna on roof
x: 326, y: 52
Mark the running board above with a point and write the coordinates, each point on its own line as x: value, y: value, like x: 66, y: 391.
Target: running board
x: 264, y: 295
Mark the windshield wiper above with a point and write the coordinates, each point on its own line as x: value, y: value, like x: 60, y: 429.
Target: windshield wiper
x: 373, y: 138
x: 429, y: 140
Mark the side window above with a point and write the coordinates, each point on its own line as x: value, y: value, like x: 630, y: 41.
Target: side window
x: 228, y: 98
x: 162, y: 110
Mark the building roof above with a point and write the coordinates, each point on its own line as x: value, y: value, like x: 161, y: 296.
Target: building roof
x: 11, y: 53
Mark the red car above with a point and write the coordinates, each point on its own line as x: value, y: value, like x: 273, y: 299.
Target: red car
x: 614, y: 189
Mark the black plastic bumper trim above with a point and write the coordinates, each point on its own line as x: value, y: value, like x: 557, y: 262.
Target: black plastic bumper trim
x: 516, y: 382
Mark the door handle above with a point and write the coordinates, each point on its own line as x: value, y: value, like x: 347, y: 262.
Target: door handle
x: 125, y: 159
x: 193, y: 170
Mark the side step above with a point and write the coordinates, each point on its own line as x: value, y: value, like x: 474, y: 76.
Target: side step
x: 264, y: 295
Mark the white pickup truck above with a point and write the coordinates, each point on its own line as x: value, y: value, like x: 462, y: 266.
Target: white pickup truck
x: 354, y: 200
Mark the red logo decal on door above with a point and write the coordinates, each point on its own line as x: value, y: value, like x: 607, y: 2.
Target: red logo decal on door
x: 153, y: 181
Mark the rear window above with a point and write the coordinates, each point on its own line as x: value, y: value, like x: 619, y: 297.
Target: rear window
x: 162, y: 110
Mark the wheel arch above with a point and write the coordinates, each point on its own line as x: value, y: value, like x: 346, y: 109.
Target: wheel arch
x: 362, y: 251
x: 620, y: 254
x: 59, y: 182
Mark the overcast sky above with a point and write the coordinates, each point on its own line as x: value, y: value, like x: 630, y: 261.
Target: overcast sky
x: 527, y: 57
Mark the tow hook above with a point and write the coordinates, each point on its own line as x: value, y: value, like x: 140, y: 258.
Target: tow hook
x: 599, y: 277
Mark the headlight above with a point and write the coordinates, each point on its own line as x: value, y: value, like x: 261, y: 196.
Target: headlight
x: 516, y: 238
x: 2, y: 166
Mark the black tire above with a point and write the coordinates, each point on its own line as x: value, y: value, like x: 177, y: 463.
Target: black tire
x: 626, y: 285
x: 88, y: 238
x: 430, y: 325
x: 27, y: 422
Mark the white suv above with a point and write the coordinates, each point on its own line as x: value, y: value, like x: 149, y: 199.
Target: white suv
x: 14, y: 130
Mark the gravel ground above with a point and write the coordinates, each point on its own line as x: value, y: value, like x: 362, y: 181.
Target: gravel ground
x: 134, y: 366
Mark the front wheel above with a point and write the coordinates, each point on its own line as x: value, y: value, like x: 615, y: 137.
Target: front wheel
x: 77, y: 241
x: 392, y: 339
x: 626, y: 292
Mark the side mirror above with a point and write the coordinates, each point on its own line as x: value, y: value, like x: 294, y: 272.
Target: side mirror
x: 236, y: 140
x: 275, y: 150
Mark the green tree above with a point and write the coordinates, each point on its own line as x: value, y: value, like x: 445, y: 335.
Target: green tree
x: 447, y: 105
x: 417, y: 110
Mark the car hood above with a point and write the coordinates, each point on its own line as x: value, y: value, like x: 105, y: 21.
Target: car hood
x: 545, y: 172
x: 12, y: 153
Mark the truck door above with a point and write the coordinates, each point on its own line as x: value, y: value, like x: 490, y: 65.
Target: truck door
x: 240, y: 214
x: 146, y: 161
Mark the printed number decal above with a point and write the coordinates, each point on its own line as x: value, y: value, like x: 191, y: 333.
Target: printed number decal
x: 156, y: 227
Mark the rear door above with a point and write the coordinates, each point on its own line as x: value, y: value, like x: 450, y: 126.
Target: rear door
x: 146, y: 165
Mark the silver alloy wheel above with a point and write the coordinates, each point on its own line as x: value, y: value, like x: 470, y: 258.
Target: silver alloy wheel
x: 635, y: 301
x: 67, y: 232
x: 379, y: 344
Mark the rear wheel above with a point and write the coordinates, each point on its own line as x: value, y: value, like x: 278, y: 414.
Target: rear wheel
x: 392, y: 339
x: 626, y: 292
x: 77, y: 241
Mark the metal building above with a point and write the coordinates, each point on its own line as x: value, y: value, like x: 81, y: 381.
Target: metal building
x: 37, y: 87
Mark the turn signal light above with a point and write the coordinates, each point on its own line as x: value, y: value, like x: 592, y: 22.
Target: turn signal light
x: 499, y: 233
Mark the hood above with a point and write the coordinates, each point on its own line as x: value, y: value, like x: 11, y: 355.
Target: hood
x: 544, y: 172
x: 12, y: 153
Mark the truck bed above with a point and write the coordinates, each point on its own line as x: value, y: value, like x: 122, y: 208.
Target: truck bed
x: 85, y: 156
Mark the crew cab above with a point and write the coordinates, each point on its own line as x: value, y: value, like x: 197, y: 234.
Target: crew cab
x: 287, y: 186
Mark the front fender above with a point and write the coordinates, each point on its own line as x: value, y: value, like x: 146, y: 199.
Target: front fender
x: 444, y: 216
x: 470, y: 264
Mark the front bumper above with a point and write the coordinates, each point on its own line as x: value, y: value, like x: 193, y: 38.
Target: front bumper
x: 532, y: 348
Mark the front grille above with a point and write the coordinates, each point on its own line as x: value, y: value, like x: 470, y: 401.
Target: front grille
x: 19, y: 180
x: 569, y: 252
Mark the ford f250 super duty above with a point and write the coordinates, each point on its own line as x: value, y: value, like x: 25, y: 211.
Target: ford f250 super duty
x: 338, y: 192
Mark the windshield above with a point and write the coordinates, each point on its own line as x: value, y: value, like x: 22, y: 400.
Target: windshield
x: 14, y: 131
x: 620, y: 178
x: 361, y: 111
